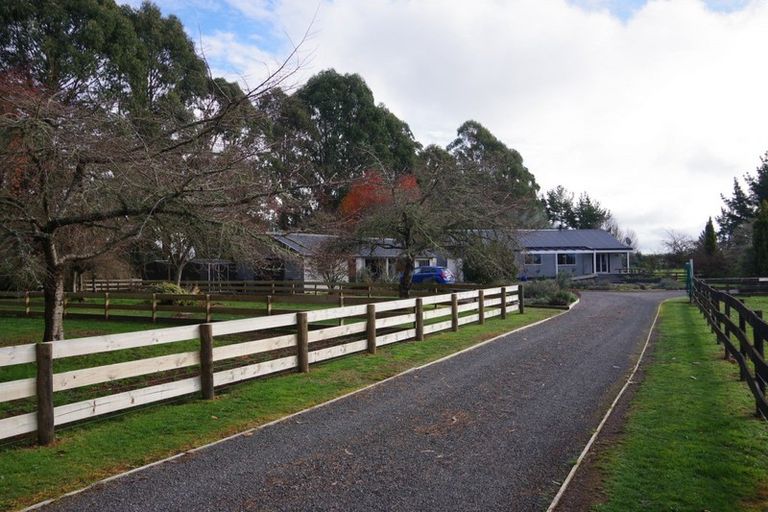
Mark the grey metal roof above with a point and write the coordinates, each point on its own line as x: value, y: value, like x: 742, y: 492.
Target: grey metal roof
x: 306, y: 244
x: 570, y: 239
x: 303, y: 243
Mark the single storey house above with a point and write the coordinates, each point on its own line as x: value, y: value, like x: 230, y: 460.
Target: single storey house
x: 376, y: 259
x: 578, y: 252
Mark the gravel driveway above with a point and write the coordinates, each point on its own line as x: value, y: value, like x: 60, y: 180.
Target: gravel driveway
x: 495, y: 428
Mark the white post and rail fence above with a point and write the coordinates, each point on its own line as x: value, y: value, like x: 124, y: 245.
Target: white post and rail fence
x: 227, y: 352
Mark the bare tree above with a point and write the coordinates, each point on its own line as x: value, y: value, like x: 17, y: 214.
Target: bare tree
x: 680, y: 246
x: 80, y: 181
x: 330, y: 261
x: 444, y: 206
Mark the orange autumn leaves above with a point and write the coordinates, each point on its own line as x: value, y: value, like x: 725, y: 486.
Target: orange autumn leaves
x: 372, y: 191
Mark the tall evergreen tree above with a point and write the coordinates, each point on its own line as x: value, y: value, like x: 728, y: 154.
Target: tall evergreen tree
x: 709, y: 239
x: 738, y: 209
x: 760, y: 240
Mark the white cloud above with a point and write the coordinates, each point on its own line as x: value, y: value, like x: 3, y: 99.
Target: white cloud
x: 652, y: 115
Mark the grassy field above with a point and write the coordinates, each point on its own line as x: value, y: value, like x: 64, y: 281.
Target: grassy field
x: 757, y: 302
x: 85, y: 453
x: 692, y: 441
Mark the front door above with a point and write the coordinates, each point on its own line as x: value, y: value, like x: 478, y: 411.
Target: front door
x: 603, y: 263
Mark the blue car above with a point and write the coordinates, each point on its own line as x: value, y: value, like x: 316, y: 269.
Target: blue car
x: 439, y: 275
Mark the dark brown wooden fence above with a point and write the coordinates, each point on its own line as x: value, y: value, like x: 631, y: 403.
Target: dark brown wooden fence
x: 740, y: 285
x: 742, y: 332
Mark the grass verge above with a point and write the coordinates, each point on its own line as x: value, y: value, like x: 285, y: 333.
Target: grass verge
x: 89, y: 452
x: 691, y: 440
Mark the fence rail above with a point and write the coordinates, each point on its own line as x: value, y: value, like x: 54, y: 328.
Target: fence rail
x: 224, y: 352
x: 742, y: 339
x: 152, y: 306
x: 275, y: 287
x: 740, y: 285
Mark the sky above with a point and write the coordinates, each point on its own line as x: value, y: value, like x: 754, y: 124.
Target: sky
x: 650, y: 106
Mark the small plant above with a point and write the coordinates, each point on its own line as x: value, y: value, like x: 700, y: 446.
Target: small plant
x: 670, y: 284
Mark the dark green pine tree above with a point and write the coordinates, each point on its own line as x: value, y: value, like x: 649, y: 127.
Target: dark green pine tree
x: 710, y: 239
x: 760, y: 240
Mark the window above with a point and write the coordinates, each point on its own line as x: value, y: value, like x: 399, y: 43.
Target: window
x: 533, y: 259
x: 422, y: 263
x: 566, y: 259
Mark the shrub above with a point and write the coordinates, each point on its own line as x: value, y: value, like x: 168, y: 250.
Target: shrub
x: 564, y: 281
x: 561, y: 298
x: 540, y: 289
x: 167, y: 288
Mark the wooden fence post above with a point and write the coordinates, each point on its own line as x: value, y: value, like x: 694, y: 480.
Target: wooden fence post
x: 26, y: 303
x: 341, y: 305
x: 206, y: 360
x: 93, y: 284
x: 44, y: 389
x: 154, y: 308
x: 757, y: 332
x: 742, y: 345
x: 480, y: 307
x: 207, y: 307
x: 106, y: 305
x: 521, y: 298
x: 269, y: 305
x: 454, y: 312
x: 370, y: 327
x: 727, y: 328
x: 419, y: 319
x: 716, y: 315
x: 302, y: 341
x: 503, y: 302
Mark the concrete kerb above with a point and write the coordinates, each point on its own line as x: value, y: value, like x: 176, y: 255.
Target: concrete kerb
x: 290, y: 416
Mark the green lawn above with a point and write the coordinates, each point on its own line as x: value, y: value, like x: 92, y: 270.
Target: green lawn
x: 692, y: 441
x: 21, y: 330
x: 83, y: 454
x: 757, y: 302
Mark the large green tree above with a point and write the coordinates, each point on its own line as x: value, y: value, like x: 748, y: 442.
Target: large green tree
x: 565, y: 211
x: 64, y: 45
x: 476, y: 149
x: 350, y: 133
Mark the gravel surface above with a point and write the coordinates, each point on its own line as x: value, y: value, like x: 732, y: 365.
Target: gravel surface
x: 496, y: 428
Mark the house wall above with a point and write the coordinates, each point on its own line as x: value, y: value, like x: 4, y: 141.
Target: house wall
x: 546, y: 269
x: 583, y: 266
x: 618, y: 261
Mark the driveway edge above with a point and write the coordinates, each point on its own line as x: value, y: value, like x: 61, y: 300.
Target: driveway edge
x: 585, y: 451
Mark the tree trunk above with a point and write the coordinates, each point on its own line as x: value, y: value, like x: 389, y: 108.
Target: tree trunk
x: 406, y: 280
x: 179, y: 272
x: 53, y: 291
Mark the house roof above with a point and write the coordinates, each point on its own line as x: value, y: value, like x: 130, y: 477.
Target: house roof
x: 307, y: 244
x: 303, y: 243
x: 570, y: 239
